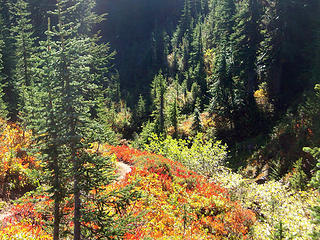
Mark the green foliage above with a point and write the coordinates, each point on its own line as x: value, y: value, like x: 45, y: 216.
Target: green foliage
x: 159, y: 86
x: 141, y: 108
x: 315, y: 152
x: 276, y: 169
x: 3, y: 105
x: 204, y: 157
x: 196, y: 125
x: 8, y: 99
x: 280, y: 232
x: 115, y: 120
x: 143, y: 138
x: 22, y: 31
x: 299, y: 178
x: 64, y: 95
x: 173, y: 116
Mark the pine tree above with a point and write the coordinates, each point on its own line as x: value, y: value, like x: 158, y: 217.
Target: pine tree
x: 224, y: 84
x: 173, y: 116
x: 196, y: 125
x: 3, y: 106
x: 8, y: 55
x: 62, y: 100
x: 22, y: 31
x: 184, y: 24
x: 158, y: 92
x: 196, y: 62
x: 141, y: 110
x: 280, y: 232
x: 44, y: 108
x: 281, y: 54
x: 245, y: 41
x: 75, y: 78
x: 222, y: 89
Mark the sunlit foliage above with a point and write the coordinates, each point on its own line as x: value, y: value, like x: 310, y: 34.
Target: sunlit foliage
x: 16, y: 165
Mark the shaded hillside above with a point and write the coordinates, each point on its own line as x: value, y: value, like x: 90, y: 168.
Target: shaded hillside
x: 131, y: 27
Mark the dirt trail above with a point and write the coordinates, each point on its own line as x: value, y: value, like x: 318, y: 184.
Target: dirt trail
x: 123, y: 170
x: 5, y: 212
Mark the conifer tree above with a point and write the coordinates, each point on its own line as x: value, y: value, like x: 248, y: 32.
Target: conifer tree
x: 222, y: 85
x: 44, y: 108
x: 66, y: 89
x: 141, y: 107
x: 158, y: 92
x: 184, y: 24
x: 245, y: 42
x: 196, y: 125
x: 8, y: 56
x: 173, y: 116
x: 22, y: 31
x: 222, y: 89
x: 74, y: 74
x: 3, y: 106
x: 315, y: 152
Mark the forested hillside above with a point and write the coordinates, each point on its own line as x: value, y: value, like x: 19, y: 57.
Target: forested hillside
x: 159, y: 119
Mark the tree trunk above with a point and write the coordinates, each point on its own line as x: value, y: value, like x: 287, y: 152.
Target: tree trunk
x: 77, y: 203
x: 56, y: 224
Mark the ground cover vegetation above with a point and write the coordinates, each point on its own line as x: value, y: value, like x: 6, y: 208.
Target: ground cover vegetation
x: 211, y: 106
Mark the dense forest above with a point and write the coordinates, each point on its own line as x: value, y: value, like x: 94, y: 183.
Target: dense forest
x: 159, y: 119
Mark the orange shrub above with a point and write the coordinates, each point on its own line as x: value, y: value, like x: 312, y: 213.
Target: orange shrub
x: 15, y: 163
x: 176, y: 204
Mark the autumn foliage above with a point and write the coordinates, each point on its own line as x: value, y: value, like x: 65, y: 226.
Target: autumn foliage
x: 179, y: 203
x: 15, y: 164
x: 175, y: 202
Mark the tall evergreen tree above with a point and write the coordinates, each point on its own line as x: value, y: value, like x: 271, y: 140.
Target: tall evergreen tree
x: 224, y: 85
x: 196, y: 61
x: 9, y: 59
x: 3, y: 106
x: 44, y: 116
x: 158, y: 92
x: 245, y: 41
x: 22, y: 31
x: 62, y: 100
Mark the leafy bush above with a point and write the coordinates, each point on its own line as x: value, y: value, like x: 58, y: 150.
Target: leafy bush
x: 315, y: 152
x: 273, y: 202
x: 179, y: 203
x: 17, y: 168
x: 204, y: 157
x: 175, y: 203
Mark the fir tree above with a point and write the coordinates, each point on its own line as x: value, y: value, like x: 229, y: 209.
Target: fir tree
x: 22, y: 31
x: 67, y: 89
x: 44, y: 107
x: 173, y: 116
x: 222, y: 84
x: 9, y: 60
x: 140, y: 112
x: 245, y: 42
x: 196, y: 61
x: 3, y: 106
x: 158, y: 92
x: 196, y: 125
